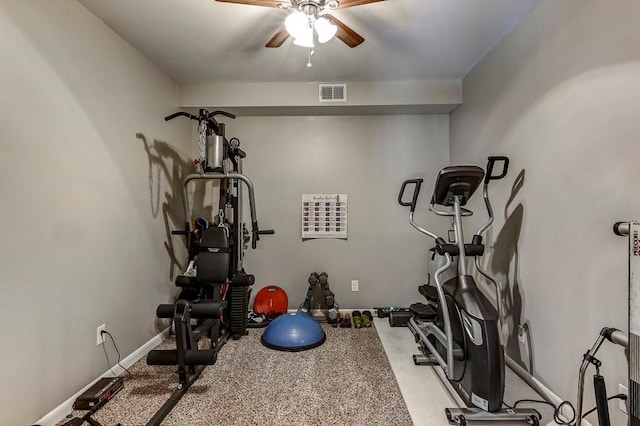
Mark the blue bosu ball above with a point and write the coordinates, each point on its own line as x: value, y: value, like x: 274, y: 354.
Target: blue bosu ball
x: 293, y: 332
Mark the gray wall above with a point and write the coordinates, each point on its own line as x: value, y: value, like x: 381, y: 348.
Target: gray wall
x: 366, y: 157
x: 560, y: 95
x: 84, y: 205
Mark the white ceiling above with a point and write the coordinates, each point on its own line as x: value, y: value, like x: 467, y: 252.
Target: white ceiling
x: 209, y: 41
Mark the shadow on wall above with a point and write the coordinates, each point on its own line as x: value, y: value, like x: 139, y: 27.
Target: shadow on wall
x: 505, y: 265
x: 166, y: 161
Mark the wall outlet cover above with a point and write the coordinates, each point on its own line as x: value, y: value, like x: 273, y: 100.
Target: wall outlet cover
x: 99, y: 335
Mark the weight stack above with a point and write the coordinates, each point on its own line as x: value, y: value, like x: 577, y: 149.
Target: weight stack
x: 238, y: 310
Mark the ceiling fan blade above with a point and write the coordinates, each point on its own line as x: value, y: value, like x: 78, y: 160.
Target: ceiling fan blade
x: 345, y: 33
x: 278, y: 38
x: 352, y: 3
x: 265, y: 3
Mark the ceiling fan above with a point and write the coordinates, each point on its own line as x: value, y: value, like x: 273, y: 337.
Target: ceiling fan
x: 308, y: 15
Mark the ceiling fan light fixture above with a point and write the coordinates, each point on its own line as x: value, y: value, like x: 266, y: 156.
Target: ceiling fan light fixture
x: 325, y: 29
x: 305, y: 39
x: 297, y: 24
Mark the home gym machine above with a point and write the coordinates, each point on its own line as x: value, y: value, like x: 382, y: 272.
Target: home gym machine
x: 631, y: 230
x: 215, y: 286
x: 458, y: 328
x: 599, y: 388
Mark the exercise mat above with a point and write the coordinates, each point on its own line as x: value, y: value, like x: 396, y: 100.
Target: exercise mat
x: 347, y: 380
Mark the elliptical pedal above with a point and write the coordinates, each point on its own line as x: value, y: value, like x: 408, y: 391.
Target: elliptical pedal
x: 429, y: 292
x: 422, y: 311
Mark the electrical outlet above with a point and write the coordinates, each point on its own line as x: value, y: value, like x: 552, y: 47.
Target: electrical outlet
x: 522, y: 335
x: 354, y: 285
x: 99, y: 335
x: 622, y: 404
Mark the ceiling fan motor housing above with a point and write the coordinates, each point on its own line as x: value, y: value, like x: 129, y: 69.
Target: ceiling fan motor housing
x: 311, y: 7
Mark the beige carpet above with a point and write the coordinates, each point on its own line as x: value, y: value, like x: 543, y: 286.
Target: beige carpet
x: 346, y: 381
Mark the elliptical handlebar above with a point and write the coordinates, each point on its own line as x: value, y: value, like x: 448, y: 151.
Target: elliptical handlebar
x: 488, y: 177
x: 414, y: 199
x: 416, y: 192
x: 412, y: 204
x: 491, y: 162
x: 463, y: 212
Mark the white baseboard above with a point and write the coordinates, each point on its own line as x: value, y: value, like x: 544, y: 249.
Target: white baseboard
x: 61, y: 411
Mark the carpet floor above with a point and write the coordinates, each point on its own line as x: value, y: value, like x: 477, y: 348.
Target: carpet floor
x: 346, y: 381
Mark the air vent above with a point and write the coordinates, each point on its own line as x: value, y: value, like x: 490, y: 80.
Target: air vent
x: 333, y: 92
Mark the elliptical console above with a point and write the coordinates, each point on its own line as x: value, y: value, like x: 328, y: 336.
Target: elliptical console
x: 463, y: 339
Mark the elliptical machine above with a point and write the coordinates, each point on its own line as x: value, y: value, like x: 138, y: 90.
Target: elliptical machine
x: 458, y: 328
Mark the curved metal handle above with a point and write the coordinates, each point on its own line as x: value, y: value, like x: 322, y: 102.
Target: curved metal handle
x: 180, y: 114
x: 203, y: 115
x: 416, y: 192
x: 489, y: 176
x: 256, y: 231
x: 221, y: 176
x: 226, y: 114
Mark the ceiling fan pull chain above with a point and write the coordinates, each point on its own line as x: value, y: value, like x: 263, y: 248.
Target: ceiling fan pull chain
x: 311, y: 52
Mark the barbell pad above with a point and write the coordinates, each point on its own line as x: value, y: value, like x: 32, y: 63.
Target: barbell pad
x: 186, y: 282
x: 208, y: 309
x: 162, y: 357
x: 245, y: 279
x: 166, y: 310
x: 200, y: 357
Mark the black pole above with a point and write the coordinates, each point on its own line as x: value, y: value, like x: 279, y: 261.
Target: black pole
x: 602, y: 404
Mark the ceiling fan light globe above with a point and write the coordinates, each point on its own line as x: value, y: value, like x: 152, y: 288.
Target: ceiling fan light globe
x: 296, y: 24
x: 305, y: 38
x: 304, y: 41
x: 325, y: 29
